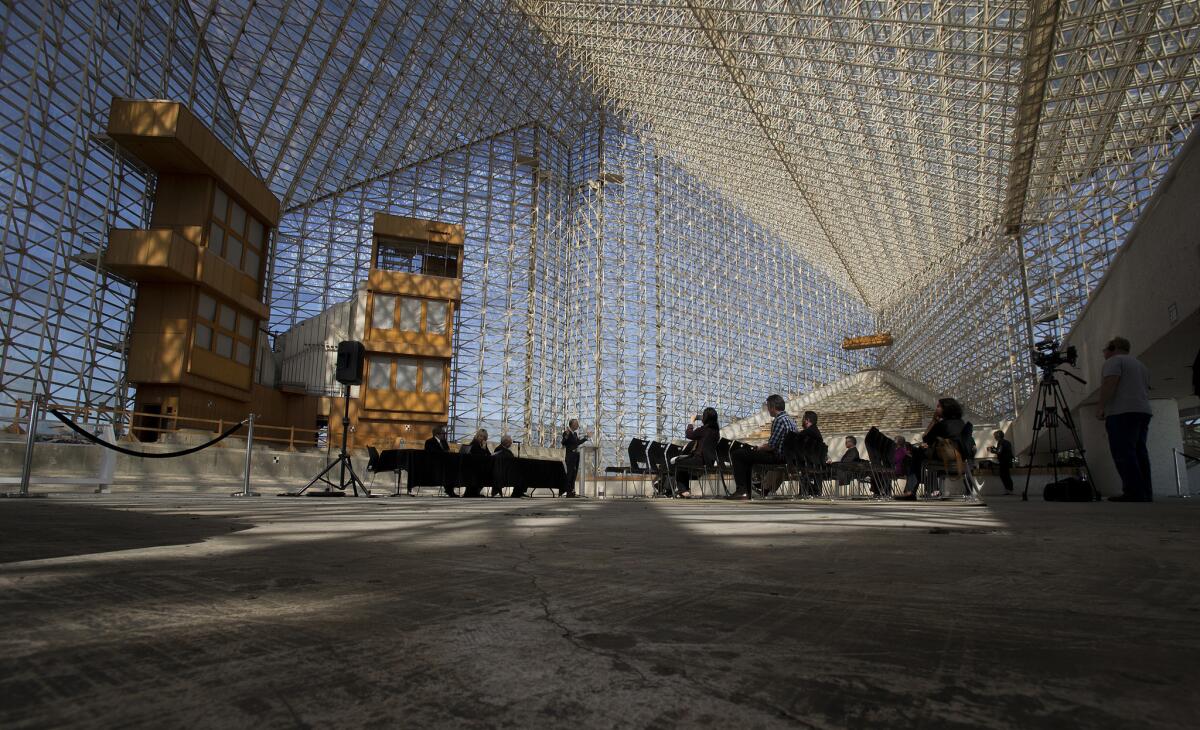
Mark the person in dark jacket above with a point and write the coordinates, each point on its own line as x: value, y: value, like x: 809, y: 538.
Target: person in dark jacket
x: 502, y: 466
x: 435, y: 448
x: 571, y: 441
x: 812, y: 446
x: 847, y: 466
x: 478, y: 463
x: 703, y: 433
x: 947, y: 423
x: 1004, y: 460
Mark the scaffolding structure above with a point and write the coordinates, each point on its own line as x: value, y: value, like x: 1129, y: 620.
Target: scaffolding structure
x: 668, y: 205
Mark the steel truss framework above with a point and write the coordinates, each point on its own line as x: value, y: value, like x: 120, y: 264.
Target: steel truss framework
x: 668, y: 204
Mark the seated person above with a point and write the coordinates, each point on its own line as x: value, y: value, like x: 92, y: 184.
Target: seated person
x: 437, y: 444
x: 902, y: 464
x: 812, y: 446
x: 703, y: 434
x: 847, y: 465
x: 771, y: 452
x: 502, y: 466
x: 947, y: 424
x: 479, y: 461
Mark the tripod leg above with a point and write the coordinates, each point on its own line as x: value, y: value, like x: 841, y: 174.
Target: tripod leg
x: 1069, y: 420
x: 319, y: 477
x: 355, y: 482
x: 1033, y: 445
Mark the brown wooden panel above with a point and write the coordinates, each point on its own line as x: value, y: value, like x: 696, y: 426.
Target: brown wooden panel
x: 209, y: 365
x: 417, y: 285
x: 182, y: 200
x: 156, y: 357
x: 154, y: 255
x: 392, y: 400
x: 394, y: 342
x: 396, y: 226
x: 170, y: 139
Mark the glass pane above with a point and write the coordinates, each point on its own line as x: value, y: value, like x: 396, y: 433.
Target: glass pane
x: 246, y: 327
x: 255, y: 235
x: 233, y: 251
x: 216, y: 239
x: 207, y: 308
x: 250, y: 265
x: 379, y: 373
x: 410, y: 315
x: 224, y: 345
x: 406, y: 376
x: 203, y: 337
x: 435, y: 317
x: 237, y: 219
x: 243, y: 353
x: 228, y: 317
x: 220, y: 204
x: 383, y: 312
x: 431, y: 377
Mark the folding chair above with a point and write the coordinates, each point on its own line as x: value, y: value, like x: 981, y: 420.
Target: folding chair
x: 657, y: 461
x: 639, y: 462
x: 372, y: 464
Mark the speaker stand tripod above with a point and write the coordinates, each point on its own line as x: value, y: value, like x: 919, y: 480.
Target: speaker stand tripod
x: 1052, y: 410
x: 347, y: 468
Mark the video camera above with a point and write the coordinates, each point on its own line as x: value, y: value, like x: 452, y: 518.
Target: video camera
x: 1048, y: 356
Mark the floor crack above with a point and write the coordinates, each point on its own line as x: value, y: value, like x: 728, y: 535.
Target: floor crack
x: 566, y: 632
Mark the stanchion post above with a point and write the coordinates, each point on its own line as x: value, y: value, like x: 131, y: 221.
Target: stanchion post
x: 35, y: 412
x: 1179, y: 493
x: 249, y: 452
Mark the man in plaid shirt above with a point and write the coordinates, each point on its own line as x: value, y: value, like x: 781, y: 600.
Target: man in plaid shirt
x: 769, y: 453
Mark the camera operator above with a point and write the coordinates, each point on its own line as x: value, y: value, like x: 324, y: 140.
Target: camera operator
x: 1125, y: 410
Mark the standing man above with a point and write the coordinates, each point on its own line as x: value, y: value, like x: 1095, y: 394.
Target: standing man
x: 1125, y: 410
x: 571, y: 441
x: 436, y: 449
x: 1004, y: 458
x: 768, y: 453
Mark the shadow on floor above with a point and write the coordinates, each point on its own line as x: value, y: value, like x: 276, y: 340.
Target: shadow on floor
x: 41, y: 529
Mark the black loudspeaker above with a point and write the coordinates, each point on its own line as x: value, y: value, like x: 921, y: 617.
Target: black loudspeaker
x: 350, y: 358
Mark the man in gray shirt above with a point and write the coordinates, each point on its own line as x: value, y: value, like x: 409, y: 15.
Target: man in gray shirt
x: 1125, y: 409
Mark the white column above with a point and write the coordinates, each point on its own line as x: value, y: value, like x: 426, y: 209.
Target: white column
x: 1165, y: 435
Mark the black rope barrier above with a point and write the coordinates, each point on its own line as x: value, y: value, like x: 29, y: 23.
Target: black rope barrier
x: 144, y: 454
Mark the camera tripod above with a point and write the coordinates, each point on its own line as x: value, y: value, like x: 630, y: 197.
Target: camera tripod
x: 1052, y: 410
x: 343, y: 460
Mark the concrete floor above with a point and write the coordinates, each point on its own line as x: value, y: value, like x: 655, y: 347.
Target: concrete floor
x: 215, y: 612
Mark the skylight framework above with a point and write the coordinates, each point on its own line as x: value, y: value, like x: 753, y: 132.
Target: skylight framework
x: 872, y: 136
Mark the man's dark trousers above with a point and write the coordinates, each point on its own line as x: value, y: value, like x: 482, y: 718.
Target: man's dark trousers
x: 744, y: 461
x: 1006, y: 476
x: 1127, y: 434
x: 572, y: 472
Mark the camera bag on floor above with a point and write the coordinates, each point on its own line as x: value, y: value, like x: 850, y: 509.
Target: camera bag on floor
x: 1071, y: 489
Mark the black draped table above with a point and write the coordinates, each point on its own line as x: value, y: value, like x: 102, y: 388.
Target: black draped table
x: 473, y: 471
